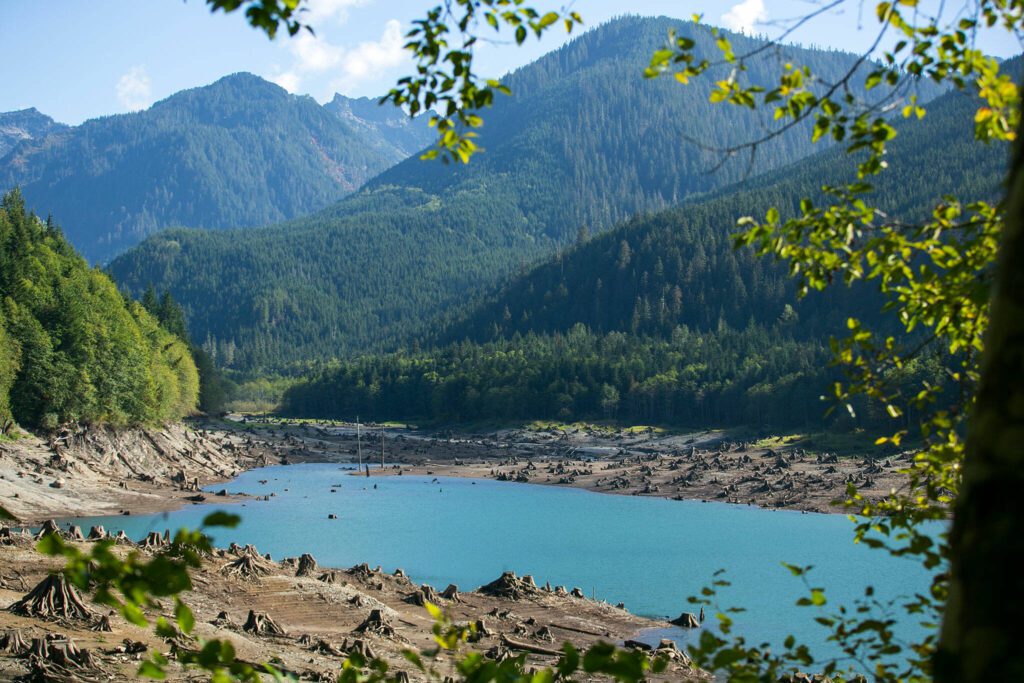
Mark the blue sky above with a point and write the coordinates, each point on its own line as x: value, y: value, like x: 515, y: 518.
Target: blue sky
x: 78, y: 59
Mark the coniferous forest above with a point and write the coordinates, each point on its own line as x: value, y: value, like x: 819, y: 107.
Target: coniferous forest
x: 72, y: 348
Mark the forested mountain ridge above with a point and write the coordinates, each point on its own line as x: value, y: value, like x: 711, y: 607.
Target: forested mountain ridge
x: 662, y: 319
x: 72, y: 349
x: 240, y: 152
x: 678, y: 267
x: 585, y: 140
x: 24, y: 124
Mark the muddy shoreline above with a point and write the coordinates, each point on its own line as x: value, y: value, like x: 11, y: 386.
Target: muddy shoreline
x: 703, y: 466
x: 322, y: 611
x: 109, y: 472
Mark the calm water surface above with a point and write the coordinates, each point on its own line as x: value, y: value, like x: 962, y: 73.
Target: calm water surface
x: 646, y: 552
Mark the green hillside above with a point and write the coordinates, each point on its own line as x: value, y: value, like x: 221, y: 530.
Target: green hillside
x: 661, y: 319
x: 584, y: 141
x: 72, y: 349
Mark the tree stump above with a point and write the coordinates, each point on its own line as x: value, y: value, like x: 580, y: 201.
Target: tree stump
x: 425, y: 594
x: 49, y: 527
x: 307, y: 565
x: 509, y: 586
x: 451, y: 593
x: 248, y: 567
x: 152, y: 540
x: 54, y: 599
x: 261, y: 624
x: 686, y: 620
x: 376, y: 623
x: 14, y: 642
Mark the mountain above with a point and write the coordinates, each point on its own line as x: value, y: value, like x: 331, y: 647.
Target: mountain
x: 24, y: 124
x: 584, y: 141
x: 658, y: 271
x: 238, y: 153
x: 661, y: 320
x: 407, y: 136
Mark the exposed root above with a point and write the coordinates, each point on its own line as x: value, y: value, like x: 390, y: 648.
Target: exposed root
x: 54, y: 599
x: 508, y: 585
x: 248, y: 566
x: 378, y: 624
x: 262, y: 625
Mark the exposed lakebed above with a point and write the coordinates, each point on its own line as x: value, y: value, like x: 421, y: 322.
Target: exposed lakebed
x: 649, y: 553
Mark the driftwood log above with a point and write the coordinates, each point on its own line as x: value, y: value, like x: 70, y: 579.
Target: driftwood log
x: 530, y: 647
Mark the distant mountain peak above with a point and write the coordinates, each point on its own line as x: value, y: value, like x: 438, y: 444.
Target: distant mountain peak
x: 408, y: 135
x: 24, y: 124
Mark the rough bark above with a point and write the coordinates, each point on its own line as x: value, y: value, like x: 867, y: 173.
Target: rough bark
x: 980, y: 632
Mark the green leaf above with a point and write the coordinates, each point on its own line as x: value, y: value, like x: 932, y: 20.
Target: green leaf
x: 221, y: 519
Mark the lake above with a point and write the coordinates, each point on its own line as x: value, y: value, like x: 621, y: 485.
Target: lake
x: 649, y: 553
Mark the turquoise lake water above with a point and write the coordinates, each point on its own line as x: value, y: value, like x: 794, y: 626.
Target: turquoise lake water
x: 649, y: 553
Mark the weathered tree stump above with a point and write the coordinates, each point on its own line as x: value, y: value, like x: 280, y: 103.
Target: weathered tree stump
x: 376, y: 623
x: 451, y: 593
x: 102, y: 625
x: 97, y: 533
x: 686, y: 620
x: 363, y: 648
x: 423, y: 595
x: 152, y: 540
x: 54, y: 599
x: 14, y: 642
x: 248, y: 567
x: 509, y: 586
x: 261, y: 624
x: 307, y: 565
x: 49, y: 527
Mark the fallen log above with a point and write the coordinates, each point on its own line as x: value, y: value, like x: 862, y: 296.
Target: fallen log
x: 530, y: 647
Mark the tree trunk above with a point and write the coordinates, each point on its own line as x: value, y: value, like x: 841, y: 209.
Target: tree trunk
x: 987, y: 586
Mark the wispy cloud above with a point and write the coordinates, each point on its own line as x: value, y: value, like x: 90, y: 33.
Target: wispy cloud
x: 315, y: 57
x: 370, y: 59
x: 745, y: 15
x: 133, y: 89
x: 320, y: 12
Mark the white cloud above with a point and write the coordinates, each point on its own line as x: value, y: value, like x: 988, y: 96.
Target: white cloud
x: 133, y: 91
x: 372, y: 58
x: 319, y: 12
x: 314, y: 58
x: 744, y: 16
x: 289, y: 80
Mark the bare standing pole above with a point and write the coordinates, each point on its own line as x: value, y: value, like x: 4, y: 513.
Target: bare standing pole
x: 359, y: 443
x: 382, y: 448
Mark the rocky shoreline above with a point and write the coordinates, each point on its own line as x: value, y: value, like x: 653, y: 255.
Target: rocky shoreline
x: 305, y: 618
x: 312, y: 617
x: 103, y: 471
